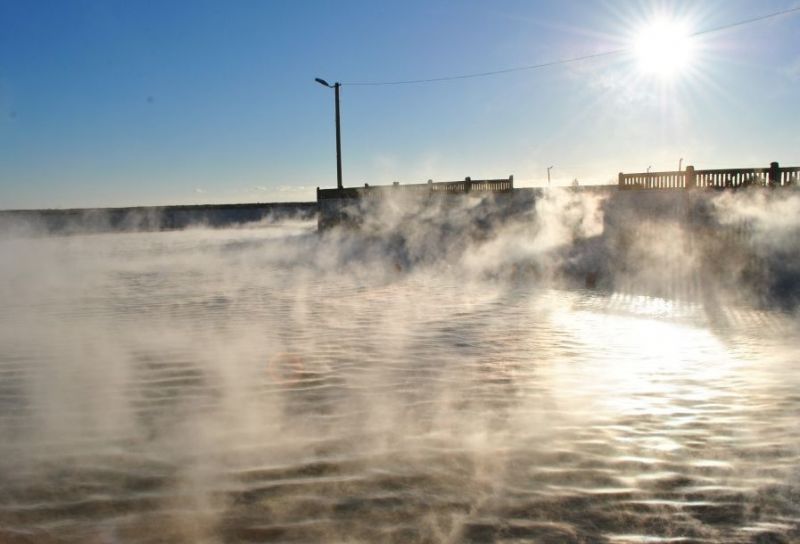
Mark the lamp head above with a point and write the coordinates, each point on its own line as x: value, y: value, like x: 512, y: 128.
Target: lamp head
x: 322, y: 82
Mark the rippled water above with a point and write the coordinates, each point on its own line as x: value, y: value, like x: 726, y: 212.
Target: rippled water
x: 247, y: 386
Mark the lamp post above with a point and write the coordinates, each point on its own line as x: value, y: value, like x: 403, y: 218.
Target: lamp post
x: 548, y: 175
x: 335, y: 88
x: 680, y: 164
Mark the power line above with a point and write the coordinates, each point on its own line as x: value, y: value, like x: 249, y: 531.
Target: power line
x: 748, y: 21
x: 491, y: 73
x: 560, y: 61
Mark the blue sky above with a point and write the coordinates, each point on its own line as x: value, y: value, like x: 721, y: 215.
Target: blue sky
x: 112, y: 103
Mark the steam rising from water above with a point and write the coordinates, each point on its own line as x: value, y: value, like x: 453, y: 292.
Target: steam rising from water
x: 438, y: 376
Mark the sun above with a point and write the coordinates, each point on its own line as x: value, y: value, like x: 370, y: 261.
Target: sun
x: 663, y: 48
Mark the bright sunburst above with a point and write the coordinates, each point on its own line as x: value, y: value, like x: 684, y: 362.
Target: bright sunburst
x: 663, y: 48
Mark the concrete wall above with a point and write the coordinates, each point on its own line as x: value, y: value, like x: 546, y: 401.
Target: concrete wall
x: 149, y: 218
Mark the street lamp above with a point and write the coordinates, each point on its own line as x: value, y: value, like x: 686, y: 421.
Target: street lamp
x: 680, y: 164
x: 548, y: 175
x: 335, y: 88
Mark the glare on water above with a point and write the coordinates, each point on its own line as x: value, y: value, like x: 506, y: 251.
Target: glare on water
x: 256, y: 385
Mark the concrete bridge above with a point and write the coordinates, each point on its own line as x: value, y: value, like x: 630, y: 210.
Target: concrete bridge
x: 346, y: 205
x: 733, y: 178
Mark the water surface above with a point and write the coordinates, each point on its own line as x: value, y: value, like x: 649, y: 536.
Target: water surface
x: 259, y: 385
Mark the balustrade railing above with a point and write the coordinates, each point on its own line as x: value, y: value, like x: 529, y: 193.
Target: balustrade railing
x: 774, y: 176
x: 465, y: 186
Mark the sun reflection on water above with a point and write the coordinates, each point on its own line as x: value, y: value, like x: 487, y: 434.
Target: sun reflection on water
x: 642, y: 364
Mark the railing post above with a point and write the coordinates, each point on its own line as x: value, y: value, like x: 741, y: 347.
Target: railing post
x: 690, y: 179
x: 774, y: 174
x: 511, y: 181
x: 620, y: 182
x: 467, y: 184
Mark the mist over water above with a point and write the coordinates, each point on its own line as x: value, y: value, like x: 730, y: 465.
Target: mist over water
x: 585, y: 372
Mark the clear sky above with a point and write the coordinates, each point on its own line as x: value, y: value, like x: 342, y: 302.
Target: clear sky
x: 118, y: 103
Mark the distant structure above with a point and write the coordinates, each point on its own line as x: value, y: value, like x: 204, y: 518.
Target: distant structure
x: 732, y: 178
x: 468, y: 185
x: 151, y: 218
x: 336, y: 206
x: 343, y: 205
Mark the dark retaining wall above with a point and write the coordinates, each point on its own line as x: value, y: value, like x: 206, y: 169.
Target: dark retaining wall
x: 150, y: 218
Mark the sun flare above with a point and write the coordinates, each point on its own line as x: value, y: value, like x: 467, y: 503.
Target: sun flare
x: 663, y: 48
